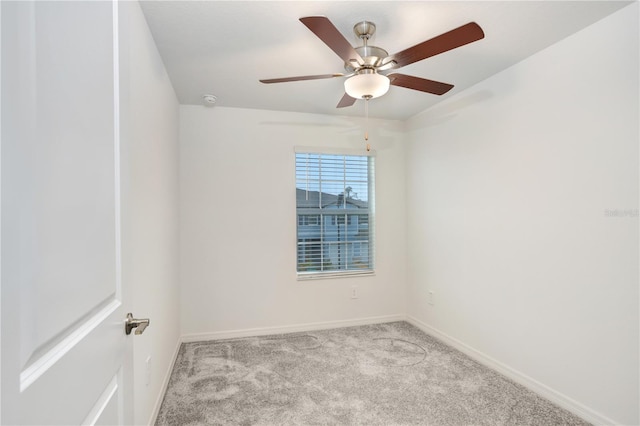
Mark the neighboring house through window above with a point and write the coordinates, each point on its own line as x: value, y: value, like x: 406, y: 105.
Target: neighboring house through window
x: 334, y: 209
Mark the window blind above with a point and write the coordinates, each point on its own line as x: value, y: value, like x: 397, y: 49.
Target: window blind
x: 334, y: 213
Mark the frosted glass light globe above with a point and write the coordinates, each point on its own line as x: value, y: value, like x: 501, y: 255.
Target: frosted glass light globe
x: 370, y: 85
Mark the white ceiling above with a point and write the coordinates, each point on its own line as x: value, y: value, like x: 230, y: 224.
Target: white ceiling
x: 225, y: 47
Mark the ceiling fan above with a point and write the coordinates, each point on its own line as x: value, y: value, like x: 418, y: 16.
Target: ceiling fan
x: 369, y: 67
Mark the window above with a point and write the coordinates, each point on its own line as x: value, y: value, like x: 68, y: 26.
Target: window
x: 308, y: 220
x: 334, y: 210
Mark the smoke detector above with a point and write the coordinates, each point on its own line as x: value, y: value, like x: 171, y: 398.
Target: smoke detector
x: 209, y: 100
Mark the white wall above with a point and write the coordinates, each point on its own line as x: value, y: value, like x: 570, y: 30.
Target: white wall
x: 150, y: 206
x: 508, y: 186
x: 237, y: 221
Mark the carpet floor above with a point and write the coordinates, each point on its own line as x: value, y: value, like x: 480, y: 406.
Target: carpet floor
x: 383, y: 374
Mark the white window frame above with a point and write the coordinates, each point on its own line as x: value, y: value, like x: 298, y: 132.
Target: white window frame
x: 310, y: 275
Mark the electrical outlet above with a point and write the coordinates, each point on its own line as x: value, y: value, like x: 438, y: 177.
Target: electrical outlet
x: 431, y: 298
x: 147, y: 371
x: 354, y: 291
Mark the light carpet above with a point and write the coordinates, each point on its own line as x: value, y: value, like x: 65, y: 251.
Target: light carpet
x: 383, y: 374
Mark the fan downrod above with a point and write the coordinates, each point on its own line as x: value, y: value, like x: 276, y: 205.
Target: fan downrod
x: 372, y: 55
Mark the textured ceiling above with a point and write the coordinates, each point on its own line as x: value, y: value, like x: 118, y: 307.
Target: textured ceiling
x: 225, y: 47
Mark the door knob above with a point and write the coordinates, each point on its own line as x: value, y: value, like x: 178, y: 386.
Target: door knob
x: 139, y: 324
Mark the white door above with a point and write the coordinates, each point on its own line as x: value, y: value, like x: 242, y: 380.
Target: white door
x: 65, y: 357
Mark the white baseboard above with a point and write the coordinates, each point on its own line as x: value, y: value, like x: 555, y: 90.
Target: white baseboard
x: 543, y: 390
x: 165, y: 384
x: 262, y: 331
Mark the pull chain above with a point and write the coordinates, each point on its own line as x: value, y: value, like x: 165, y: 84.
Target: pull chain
x: 366, y: 124
x: 366, y: 118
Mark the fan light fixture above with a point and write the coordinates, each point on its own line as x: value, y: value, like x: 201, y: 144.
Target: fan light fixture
x: 366, y: 85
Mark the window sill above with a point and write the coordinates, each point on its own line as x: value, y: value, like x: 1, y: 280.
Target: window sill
x: 309, y: 276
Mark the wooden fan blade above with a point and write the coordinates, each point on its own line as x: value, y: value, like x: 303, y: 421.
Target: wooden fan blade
x: 444, y: 42
x: 346, y: 101
x: 300, y: 78
x: 322, y: 27
x: 421, y: 84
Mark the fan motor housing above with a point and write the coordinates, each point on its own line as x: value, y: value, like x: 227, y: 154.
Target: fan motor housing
x: 371, y: 55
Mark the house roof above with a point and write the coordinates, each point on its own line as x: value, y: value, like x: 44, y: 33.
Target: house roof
x: 311, y: 200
